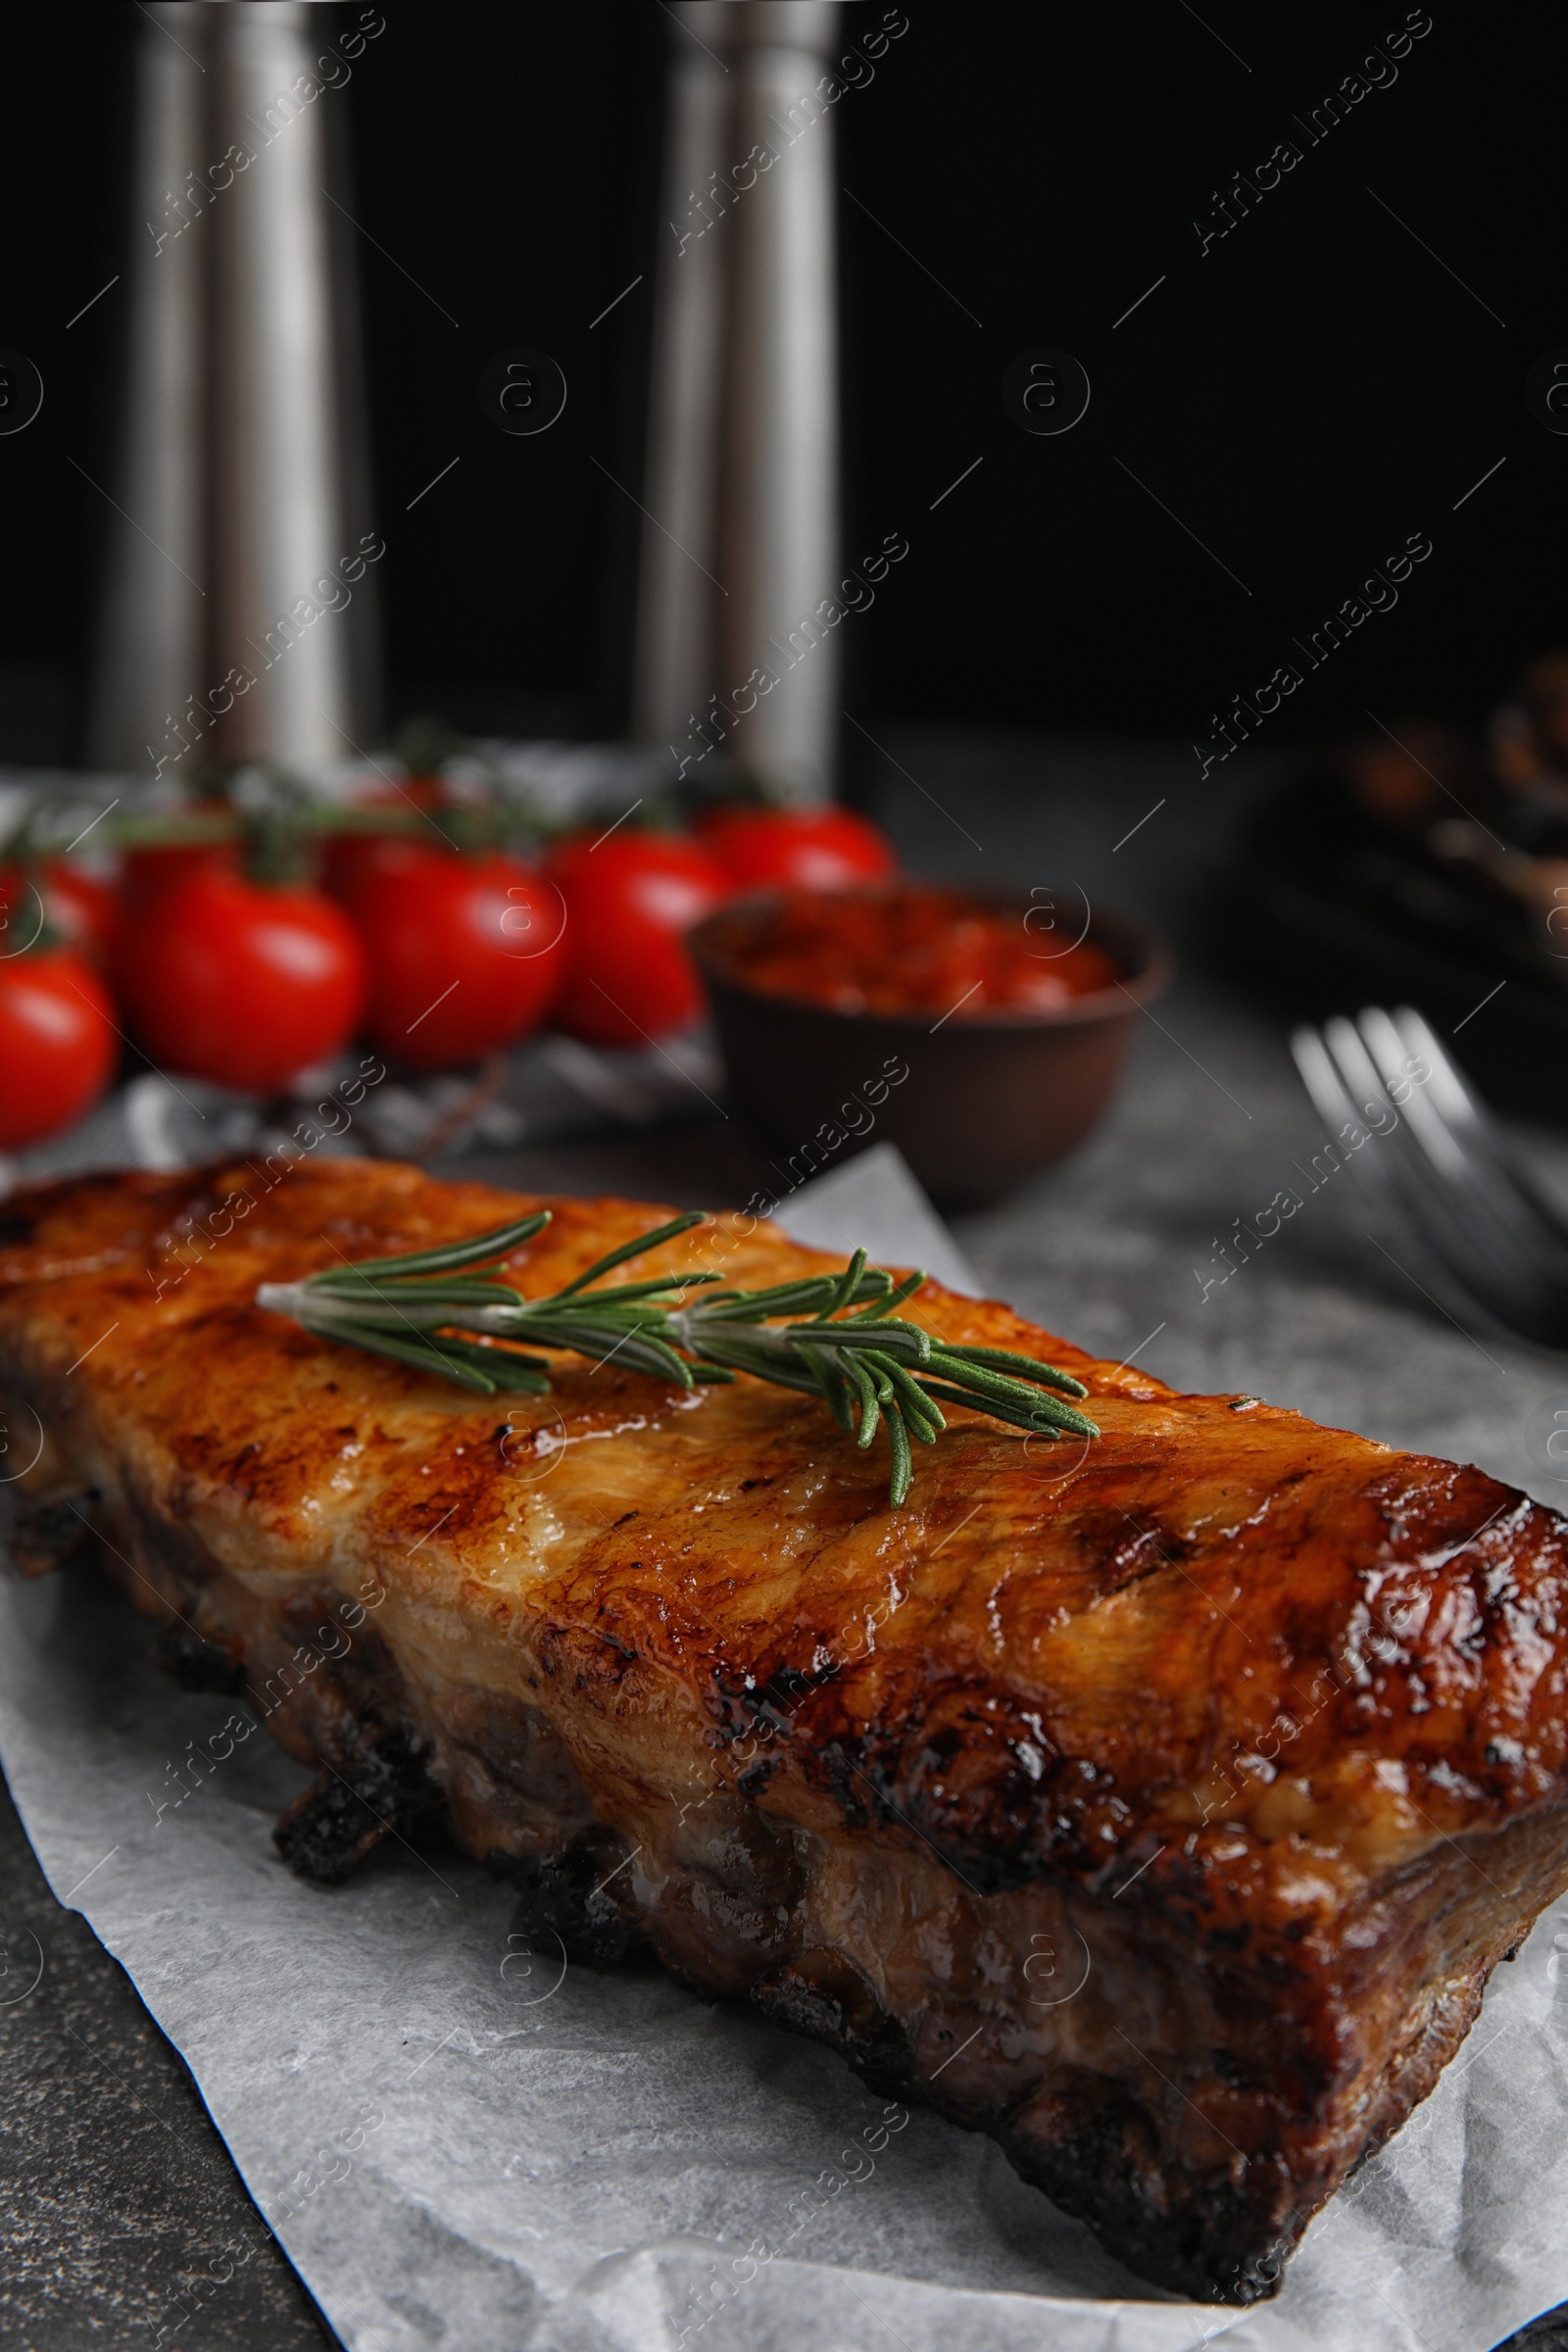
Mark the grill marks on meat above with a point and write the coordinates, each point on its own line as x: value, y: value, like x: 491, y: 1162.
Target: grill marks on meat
x: 1160, y: 1806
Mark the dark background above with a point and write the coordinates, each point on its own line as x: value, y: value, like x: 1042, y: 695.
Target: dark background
x: 1311, y: 391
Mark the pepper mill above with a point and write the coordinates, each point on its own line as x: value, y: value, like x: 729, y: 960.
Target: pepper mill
x: 743, y: 471
x: 239, y: 618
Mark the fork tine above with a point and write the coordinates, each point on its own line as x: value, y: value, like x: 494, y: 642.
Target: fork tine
x: 1464, y: 1157
x: 1386, y: 1046
x: 1368, y: 1100
x: 1321, y: 1076
x: 1471, y: 1121
x: 1510, y: 1191
x: 1459, y: 1106
x: 1448, y: 1217
x: 1476, y: 1225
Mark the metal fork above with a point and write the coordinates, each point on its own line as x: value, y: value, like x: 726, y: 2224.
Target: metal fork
x: 1432, y: 1159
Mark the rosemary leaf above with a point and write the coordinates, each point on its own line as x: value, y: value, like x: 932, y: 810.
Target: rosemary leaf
x: 671, y: 1284
x: 633, y: 1249
x: 906, y: 1337
x: 1004, y: 1359
x: 505, y: 1368
x: 1045, y: 1416
x: 896, y: 1297
x: 780, y: 1370
x: 870, y: 1403
x: 423, y: 1358
x: 445, y: 1258
x: 843, y: 1290
x: 920, y: 1408
x: 903, y: 1464
x: 437, y: 1298
x: 981, y: 1379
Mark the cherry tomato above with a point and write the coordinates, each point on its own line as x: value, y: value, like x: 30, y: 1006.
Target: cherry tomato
x: 819, y: 849
x: 630, y: 899
x: 80, y: 906
x: 57, y: 1043
x: 147, y: 876
x: 350, y: 859
x: 147, y: 873
x: 466, y: 954
x: 241, y: 982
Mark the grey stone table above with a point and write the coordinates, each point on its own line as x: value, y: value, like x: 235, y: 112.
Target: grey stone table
x: 112, y: 2168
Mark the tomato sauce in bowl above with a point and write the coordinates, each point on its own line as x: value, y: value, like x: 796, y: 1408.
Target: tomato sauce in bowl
x: 913, y: 949
x: 973, y: 1029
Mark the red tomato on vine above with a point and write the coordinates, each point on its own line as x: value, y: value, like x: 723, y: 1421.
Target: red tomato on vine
x: 79, y: 908
x: 465, y: 953
x: 58, y: 1044
x: 243, y: 983
x: 815, y: 848
x: 630, y: 898
x: 349, y: 860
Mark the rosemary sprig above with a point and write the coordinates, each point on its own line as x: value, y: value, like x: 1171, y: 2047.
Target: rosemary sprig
x: 832, y: 1335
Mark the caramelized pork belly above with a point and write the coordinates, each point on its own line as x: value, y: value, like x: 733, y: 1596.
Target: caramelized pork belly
x: 1159, y: 1803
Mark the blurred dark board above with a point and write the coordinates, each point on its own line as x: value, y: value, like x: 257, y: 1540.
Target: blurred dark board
x: 116, y: 2192
x: 1286, y: 932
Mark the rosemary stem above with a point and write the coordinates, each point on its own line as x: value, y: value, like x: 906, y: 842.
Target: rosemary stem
x: 435, y: 1309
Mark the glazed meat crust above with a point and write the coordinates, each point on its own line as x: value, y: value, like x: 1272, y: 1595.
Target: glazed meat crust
x: 1160, y: 1803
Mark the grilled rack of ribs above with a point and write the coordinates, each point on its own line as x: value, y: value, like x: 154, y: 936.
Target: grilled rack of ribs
x: 1160, y: 1804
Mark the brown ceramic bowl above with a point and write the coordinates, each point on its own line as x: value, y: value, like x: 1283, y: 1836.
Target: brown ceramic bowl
x: 986, y: 1101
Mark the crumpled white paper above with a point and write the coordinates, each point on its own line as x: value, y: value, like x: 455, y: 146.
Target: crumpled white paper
x: 462, y: 2143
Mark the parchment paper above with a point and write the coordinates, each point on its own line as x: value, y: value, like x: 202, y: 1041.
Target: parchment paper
x: 463, y: 2144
